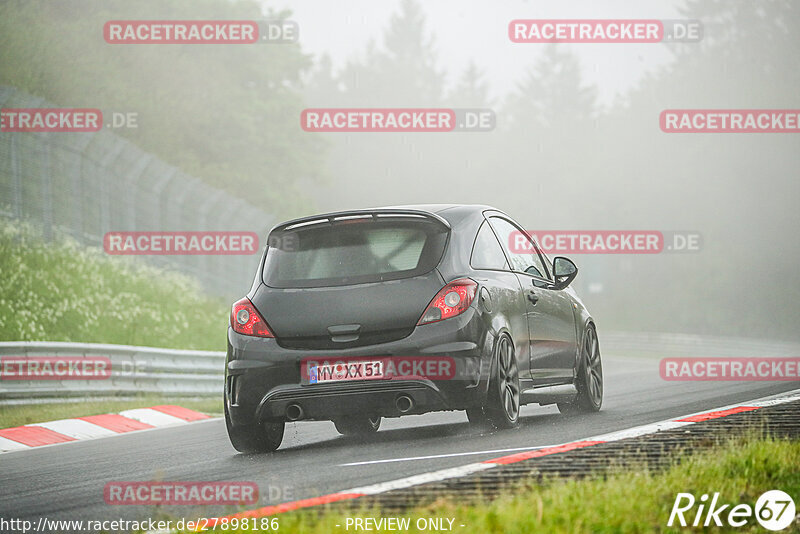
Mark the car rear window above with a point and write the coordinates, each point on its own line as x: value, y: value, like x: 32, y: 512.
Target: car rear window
x: 353, y: 251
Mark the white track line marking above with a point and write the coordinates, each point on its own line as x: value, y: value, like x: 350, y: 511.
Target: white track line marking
x: 11, y: 445
x: 776, y: 399
x: 450, y: 455
x: 443, y: 474
x: 153, y: 417
x: 611, y: 436
x: 76, y: 428
x: 424, y: 478
x: 464, y: 470
x: 637, y: 431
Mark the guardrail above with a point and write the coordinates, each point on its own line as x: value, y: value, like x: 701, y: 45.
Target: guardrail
x: 657, y: 344
x: 138, y: 370
x: 134, y: 370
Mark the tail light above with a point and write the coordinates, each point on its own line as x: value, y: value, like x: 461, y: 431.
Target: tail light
x: 452, y: 300
x: 246, y: 320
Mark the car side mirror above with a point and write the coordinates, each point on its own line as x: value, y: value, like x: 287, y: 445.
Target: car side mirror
x: 564, y: 271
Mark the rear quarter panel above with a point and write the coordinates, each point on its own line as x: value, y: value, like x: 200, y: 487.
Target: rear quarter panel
x: 506, y: 307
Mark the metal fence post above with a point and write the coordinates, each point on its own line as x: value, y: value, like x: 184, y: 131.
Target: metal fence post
x: 132, y: 181
x: 107, y: 195
x: 159, y: 214
x: 47, y: 194
x: 78, y: 181
x: 16, y: 181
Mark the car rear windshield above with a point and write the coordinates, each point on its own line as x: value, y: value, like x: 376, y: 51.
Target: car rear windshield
x: 353, y: 251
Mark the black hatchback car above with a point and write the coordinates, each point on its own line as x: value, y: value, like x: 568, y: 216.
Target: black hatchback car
x: 358, y: 315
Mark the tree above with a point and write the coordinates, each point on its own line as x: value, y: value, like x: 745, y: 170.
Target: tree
x: 549, y: 128
x: 404, y: 72
x: 471, y: 90
x: 227, y: 114
x: 552, y: 94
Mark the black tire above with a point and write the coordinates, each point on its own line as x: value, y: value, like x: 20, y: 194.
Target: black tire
x: 502, y: 401
x: 589, y: 378
x: 357, y: 425
x: 262, y: 437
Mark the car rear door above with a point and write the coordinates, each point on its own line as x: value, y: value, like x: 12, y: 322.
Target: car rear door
x: 551, y: 321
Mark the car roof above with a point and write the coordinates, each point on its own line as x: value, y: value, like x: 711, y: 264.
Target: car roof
x: 439, y: 208
x: 452, y: 213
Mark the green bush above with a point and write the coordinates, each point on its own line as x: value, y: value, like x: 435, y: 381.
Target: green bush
x: 63, y: 291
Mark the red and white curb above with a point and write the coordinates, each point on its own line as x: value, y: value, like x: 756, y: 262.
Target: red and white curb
x: 454, y: 472
x: 95, y: 426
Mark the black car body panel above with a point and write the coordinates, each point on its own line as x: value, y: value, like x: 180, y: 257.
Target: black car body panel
x: 265, y: 378
x: 364, y: 314
x: 379, y: 318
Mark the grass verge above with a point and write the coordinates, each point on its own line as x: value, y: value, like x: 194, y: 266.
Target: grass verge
x: 63, y: 291
x: 629, y: 500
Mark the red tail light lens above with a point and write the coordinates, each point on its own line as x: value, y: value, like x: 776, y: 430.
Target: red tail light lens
x: 246, y: 320
x: 452, y: 300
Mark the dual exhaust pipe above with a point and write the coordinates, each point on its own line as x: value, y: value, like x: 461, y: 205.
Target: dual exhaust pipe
x: 404, y: 403
x: 295, y: 412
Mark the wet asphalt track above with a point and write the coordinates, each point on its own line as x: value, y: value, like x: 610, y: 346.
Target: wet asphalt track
x: 66, y: 481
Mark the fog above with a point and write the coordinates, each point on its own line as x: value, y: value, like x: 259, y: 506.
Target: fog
x: 576, y: 145
x: 562, y: 157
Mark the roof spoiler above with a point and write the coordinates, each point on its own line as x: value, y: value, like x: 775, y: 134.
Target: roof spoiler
x: 374, y: 214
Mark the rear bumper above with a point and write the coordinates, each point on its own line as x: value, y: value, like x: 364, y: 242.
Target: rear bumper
x: 327, y: 401
x: 262, y: 379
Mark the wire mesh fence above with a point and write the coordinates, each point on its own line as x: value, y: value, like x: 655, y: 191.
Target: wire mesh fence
x: 88, y: 184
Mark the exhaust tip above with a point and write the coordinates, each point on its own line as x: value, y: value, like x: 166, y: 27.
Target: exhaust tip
x: 294, y: 412
x: 404, y: 404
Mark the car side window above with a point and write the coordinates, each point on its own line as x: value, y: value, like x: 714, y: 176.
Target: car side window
x: 486, y: 252
x: 520, y: 248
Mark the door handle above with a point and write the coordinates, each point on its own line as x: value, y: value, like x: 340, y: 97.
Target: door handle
x: 533, y: 297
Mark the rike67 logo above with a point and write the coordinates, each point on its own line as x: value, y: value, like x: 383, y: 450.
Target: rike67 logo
x: 774, y: 510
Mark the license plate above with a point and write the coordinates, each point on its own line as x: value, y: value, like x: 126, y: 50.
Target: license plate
x: 345, y: 371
